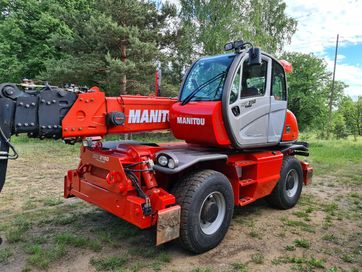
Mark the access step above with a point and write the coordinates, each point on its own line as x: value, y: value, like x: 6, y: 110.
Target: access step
x: 245, y: 201
x: 246, y: 182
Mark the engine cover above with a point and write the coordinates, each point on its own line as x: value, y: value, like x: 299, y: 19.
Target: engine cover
x: 199, y: 123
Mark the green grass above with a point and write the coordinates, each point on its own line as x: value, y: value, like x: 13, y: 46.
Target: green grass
x: 17, y: 229
x: 110, y: 263
x: 41, y: 257
x: 302, y: 225
x: 330, y: 237
x: 46, y: 234
x: 70, y: 239
x: 239, y: 267
x: 327, y: 155
x: 5, y: 254
x: 289, y: 248
x: 65, y: 219
x: 201, y: 269
x: 300, y: 263
x: 53, y: 201
x: 257, y: 258
x: 255, y: 234
x: 348, y: 258
x: 302, y: 243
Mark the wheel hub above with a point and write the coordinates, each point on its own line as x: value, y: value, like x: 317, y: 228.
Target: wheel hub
x: 212, y: 213
x: 290, y: 183
x: 209, y: 212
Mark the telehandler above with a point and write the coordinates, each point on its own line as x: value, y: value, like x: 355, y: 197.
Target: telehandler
x: 239, y: 145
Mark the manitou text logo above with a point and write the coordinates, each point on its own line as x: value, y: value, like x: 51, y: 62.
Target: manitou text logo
x: 100, y: 158
x: 191, y: 121
x: 148, y: 116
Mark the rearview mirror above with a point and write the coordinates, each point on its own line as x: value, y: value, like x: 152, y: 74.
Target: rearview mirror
x: 254, y: 56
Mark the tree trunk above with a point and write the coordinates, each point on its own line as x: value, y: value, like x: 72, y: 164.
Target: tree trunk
x: 123, y: 89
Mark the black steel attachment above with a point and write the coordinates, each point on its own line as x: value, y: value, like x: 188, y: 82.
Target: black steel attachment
x: 39, y: 113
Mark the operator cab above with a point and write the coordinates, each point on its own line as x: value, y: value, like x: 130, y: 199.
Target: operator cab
x: 237, y: 100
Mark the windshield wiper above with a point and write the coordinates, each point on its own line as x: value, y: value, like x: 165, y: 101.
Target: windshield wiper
x: 203, y: 85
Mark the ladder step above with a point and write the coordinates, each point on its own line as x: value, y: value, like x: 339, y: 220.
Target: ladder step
x: 246, y: 182
x: 245, y: 200
x: 245, y: 163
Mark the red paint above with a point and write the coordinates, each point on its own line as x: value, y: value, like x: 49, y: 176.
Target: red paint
x: 101, y: 178
x: 288, y: 68
x: 290, y: 131
x: 260, y: 171
x: 87, y: 117
x: 207, y: 128
x: 91, y: 183
x: 307, y: 172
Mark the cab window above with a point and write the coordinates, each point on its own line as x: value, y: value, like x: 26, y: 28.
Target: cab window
x: 235, y: 87
x: 278, y: 82
x: 207, y: 77
x: 254, y: 79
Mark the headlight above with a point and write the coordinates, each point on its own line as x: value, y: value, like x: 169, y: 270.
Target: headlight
x: 171, y: 164
x: 167, y: 160
x: 162, y: 160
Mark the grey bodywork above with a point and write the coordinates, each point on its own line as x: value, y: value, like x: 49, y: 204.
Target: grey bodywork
x: 259, y: 125
x: 185, y: 158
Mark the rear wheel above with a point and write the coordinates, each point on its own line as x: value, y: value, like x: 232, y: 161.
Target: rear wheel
x: 207, y: 205
x: 288, y: 189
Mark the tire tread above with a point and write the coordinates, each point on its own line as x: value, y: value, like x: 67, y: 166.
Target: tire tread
x: 184, y: 191
x: 275, y: 198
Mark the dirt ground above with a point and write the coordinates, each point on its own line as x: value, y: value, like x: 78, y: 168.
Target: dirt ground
x: 42, y: 231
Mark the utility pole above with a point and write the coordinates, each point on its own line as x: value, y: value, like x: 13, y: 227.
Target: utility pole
x: 332, y: 90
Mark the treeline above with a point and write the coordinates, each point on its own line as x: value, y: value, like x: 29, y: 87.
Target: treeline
x: 117, y: 44
x: 309, y: 98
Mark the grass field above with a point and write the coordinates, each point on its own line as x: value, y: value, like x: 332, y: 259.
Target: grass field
x: 42, y: 231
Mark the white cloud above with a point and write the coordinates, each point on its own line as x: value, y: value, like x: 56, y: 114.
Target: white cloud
x: 320, y: 21
x: 340, y: 57
x: 318, y: 24
x: 349, y: 74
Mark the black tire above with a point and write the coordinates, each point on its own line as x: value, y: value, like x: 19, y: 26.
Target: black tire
x: 285, y: 194
x: 198, y: 194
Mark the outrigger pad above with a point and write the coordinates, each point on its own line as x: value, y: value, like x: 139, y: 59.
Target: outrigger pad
x: 168, y: 224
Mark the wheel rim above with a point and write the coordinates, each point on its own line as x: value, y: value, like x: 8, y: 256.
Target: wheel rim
x: 212, y: 213
x: 292, y: 183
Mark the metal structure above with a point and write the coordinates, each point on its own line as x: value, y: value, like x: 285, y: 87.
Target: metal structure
x: 239, y: 145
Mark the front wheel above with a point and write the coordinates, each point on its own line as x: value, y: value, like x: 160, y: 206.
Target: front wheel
x: 288, y: 189
x: 207, y: 205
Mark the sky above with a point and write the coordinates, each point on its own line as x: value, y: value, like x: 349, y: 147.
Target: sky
x: 319, y: 22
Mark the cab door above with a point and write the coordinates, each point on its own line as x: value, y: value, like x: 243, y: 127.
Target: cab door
x: 249, y: 103
x: 278, y: 103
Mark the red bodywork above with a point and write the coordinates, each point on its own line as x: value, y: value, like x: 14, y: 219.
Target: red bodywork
x: 200, y: 123
x: 87, y: 117
x: 290, y: 131
x: 101, y: 178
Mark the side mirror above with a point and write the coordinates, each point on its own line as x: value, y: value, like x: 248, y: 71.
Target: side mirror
x: 254, y: 56
x: 229, y: 46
